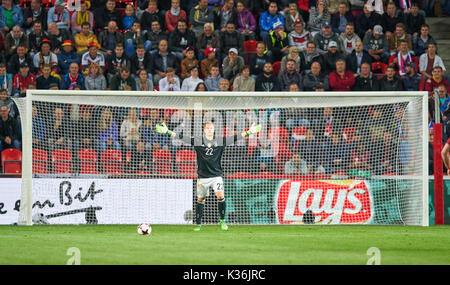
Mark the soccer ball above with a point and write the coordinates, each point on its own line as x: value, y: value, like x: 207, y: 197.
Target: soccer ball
x: 144, y: 229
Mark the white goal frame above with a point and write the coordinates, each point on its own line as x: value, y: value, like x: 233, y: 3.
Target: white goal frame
x: 101, y: 98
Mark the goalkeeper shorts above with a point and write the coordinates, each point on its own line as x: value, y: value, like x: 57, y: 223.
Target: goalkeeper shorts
x: 204, y: 184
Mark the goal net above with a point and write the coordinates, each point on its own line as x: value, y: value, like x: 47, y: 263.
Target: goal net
x: 320, y: 158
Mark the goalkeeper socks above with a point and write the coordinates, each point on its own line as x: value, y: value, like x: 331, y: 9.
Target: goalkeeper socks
x: 199, y: 212
x: 222, y: 206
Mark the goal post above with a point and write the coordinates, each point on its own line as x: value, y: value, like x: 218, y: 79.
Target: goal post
x: 320, y: 158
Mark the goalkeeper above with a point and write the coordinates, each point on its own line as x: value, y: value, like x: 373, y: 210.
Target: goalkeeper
x: 209, y: 168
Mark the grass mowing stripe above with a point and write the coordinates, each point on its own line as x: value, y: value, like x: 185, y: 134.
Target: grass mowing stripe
x: 117, y: 244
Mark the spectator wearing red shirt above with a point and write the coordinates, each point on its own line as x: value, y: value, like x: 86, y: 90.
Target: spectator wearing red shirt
x: 22, y: 79
x: 341, y: 79
x: 436, y: 80
x: 402, y: 58
x: 174, y: 15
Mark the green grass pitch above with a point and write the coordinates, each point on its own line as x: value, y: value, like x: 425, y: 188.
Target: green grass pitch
x: 252, y: 245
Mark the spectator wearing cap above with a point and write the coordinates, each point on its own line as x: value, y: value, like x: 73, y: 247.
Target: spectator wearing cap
x: 150, y: 15
x: 289, y: 75
x: 46, y: 78
x: 396, y: 38
x: 57, y: 36
x: 246, y: 23
x: 173, y: 15
x: 35, y: 12
x: 35, y: 37
x: 103, y: 15
x: 365, y: 80
x: 299, y: 37
x: 324, y: 37
x: 420, y: 43
x: 376, y: 44
x: 244, y: 82
x: 429, y: 60
x: 46, y: 56
x: 209, y: 61
x: 199, y: 16
x: 391, y: 81
x: 13, y: 39
x: 180, y: 39
x: 81, y: 16
x: 402, y: 58
x: 348, y: 39
x: 315, y: 79
x: 16, y: 59
x: 72, y: 78
x: 390, y: 19
x: 318, y: 17
x: 92, y: 55
x: 84, y: 38
x: 411, y: 79
x: 10, y: 16
x: 191, y: 82
x: 331, y: 56
x: 269, y: 19
x: 341, y: 18
x: 163, y: 60
x: 258, y: 60
x: 212, y: 81
x: 110, y: 37
x: 59, y: 14
x: 22, y: 79
x: 232, y: 64
x: 230, y: 38
x: 366, y: 21
x: 141, y: 60
x: 208, y: 39
x: 266, y: 80
x: 357, y: 57
x: 66, y: 56
x: 341, y: 79
x: 277, y: 42
x: 188, y: 62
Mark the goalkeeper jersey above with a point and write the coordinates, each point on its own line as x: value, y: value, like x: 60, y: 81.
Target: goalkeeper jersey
x: 209, y: 154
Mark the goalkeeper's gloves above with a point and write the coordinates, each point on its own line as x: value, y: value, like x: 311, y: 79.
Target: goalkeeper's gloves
x: 162, y: 129
x: 254, y: 129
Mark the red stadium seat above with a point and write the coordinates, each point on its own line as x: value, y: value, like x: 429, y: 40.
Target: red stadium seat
x: 62, y: 161
x: 250, y: 48
x: 278, y: 134
x: 186, y: 162
x: 162, y: 162
x: 40, y: 160
x: 88, y: 161
x: 12, y: 161
x: 266, y: 175
x: 240, y: 175
x: 111, y: 161
x: 276, y: 67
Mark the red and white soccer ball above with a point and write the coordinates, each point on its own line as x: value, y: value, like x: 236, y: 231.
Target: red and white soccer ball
x: 144, y: 229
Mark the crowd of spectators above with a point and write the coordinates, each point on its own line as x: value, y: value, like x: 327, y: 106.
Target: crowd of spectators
x: 323, y: 45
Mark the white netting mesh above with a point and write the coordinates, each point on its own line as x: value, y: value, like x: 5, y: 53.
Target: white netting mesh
x: 333, y: 158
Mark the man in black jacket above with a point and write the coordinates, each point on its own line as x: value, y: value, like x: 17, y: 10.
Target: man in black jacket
x: 357, y: 57
x: 267, y: 81
x: 365, y: 81
x: 161, y: 61
x: 231, y: 39
x: 105, y: 14
x: 9, y: 130
x: 141, y: 60
x: 21, y: 55
x: 35, y: 12
x: 180, y: 39
x: 110, y: 37
x: 390, y: 82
